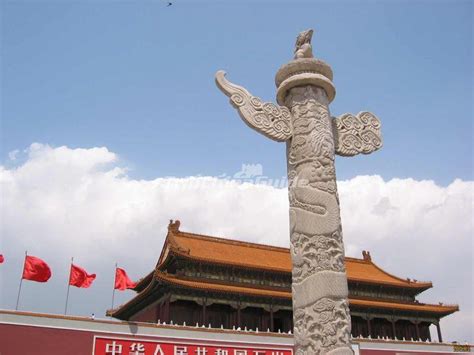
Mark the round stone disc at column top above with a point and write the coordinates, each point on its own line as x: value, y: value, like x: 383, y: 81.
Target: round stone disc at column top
x: 303, y: 65
x: 304, y: 71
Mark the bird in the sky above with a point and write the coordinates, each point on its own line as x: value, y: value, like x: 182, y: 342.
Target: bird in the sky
x: 169, y: 4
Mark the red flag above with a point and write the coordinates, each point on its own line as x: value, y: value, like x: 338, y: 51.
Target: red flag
x: 122, y: 281
x: 79, y: 277
x: 2, y: 259
x: 36, y: 269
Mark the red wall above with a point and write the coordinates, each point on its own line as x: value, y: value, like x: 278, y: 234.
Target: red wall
x: 39, y: 340
x: 25, y: 340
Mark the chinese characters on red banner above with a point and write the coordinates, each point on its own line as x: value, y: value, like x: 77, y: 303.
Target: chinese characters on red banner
x: 104, y: 346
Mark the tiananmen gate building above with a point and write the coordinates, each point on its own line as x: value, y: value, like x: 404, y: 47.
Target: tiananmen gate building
x: 220, y: 282
x: 215, y: 296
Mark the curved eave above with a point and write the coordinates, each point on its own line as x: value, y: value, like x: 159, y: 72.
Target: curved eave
x: 164, y: 257
x: 439, y: 310
x: 418, y: 287
x: 162, y: 264
x: 160, y: 278
x: 143, y: 282
x: 199, y: 285
x: 219, y: 288
x: 121, y: 310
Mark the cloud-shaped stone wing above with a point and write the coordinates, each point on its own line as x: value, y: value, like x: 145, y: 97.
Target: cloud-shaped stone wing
x: 267, y: 118
x: 355, y: 134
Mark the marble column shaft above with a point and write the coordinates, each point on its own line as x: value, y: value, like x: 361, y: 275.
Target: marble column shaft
x: 320, y: 306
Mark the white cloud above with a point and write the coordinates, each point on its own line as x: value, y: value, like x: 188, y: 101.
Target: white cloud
x: 13, y: 154
x: 64, y: 202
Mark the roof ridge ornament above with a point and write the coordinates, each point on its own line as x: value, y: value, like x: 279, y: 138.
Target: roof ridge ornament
x: 366, y: 255
x: 173, y: 226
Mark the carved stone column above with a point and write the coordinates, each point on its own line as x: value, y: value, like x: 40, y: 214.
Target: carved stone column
x: 321, y: 311
x: 321, y: 316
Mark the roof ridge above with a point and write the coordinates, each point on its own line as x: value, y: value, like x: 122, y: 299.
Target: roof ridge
x: 174, y: 233
x: 232, y: 241
x: 407, y: 280
x: 353, y: 258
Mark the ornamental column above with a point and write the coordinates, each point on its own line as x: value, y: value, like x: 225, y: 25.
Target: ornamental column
x: 321, y: 315
x: 319, y: 285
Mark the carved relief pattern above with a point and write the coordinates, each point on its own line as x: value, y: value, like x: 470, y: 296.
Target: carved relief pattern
x: 321, y: 313
x: 322, y: 324
x: 316, y: 253
x: 321, y: 327
x: 357, y: 134
x: 266, y: 118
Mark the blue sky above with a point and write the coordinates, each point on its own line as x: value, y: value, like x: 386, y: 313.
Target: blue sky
x: 118, y: 97
x: 138, y: 78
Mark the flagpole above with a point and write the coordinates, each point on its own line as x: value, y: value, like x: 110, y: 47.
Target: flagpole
x: 21, y: 282
x: 68, y: 286
x: 113, y: 292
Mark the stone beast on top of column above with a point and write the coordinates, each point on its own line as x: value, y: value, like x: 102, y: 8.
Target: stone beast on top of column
x: 319, y: 283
